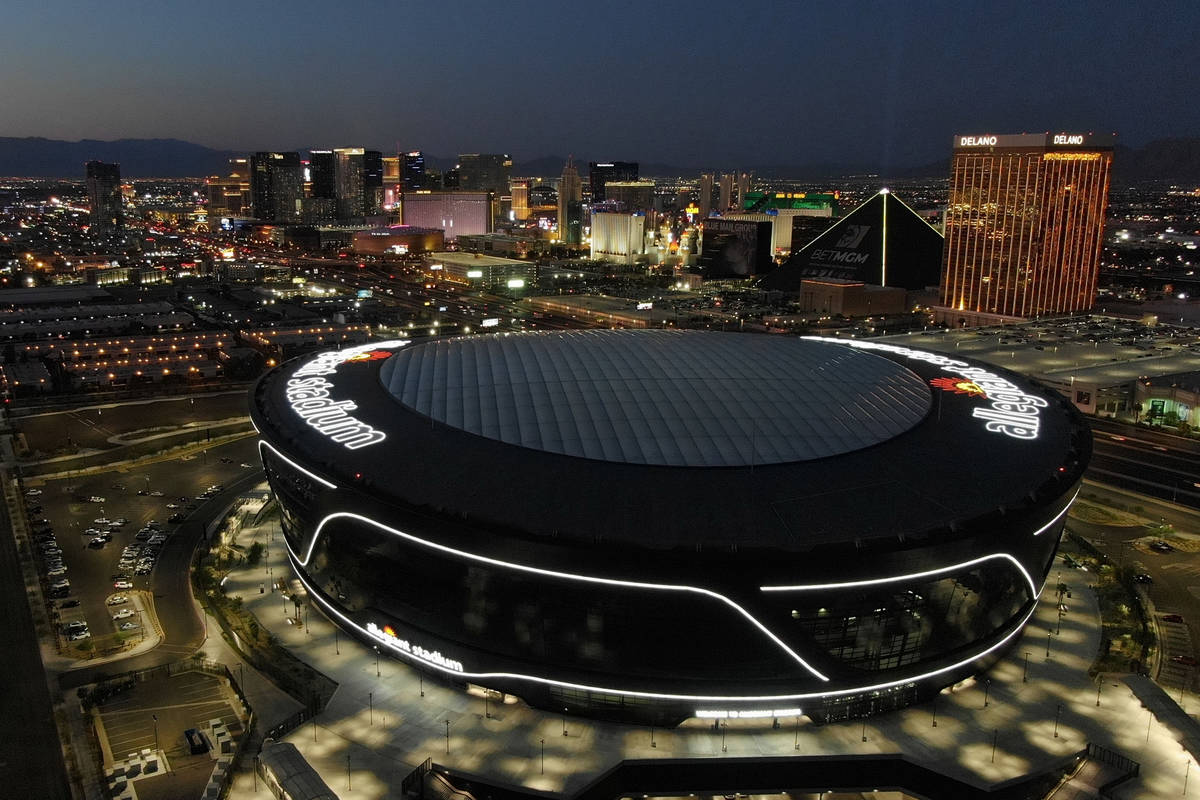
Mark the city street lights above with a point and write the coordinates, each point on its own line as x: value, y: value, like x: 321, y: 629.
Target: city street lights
x: 376, y: 648
x: 1025, y: 672
x: 1057, y: 715
x: 155, y: 716
x: 724, y: 749
x: 543, y: 742
x: 447, y: 737
x: 1048, y: 635
x: 995, y: 734
x: 564, y: 722
x: 371, y: 706
x: 987, y: 687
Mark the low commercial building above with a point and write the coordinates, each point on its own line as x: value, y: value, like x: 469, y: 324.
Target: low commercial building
x: 850, y: 298
x: 479, y: 269
x: 283, y: 343
x: 398, y: 239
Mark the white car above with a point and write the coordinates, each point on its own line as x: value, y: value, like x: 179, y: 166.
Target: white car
x: 124, y: 613
x: 129, y: 626
x: 156, y: 493
x: 75, y: 637
x: 172, y: 505
x: 247, y: 466
x: 122, y: 585
x: 33, y: 492
x: 117, y: 599
x: 57, y: 572
x: 96, y: 499
x: 102, y: 520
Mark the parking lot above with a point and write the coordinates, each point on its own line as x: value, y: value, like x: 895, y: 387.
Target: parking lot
x: 181, y: 702
x: 101, y: 535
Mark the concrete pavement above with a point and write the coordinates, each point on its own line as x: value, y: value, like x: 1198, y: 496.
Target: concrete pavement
x: 379, y: 726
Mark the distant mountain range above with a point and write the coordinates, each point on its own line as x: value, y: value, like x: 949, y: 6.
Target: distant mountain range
x: 1162, y: 160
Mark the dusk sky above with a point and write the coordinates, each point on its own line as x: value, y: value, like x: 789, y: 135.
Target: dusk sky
x: 693, y: 84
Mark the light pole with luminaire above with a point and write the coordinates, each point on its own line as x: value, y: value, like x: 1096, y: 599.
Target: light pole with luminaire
x: 543, y: 742
x: 1057, y: 714
x: 564, y: 722
x: 447, y: 737
x: 155, y: 716
x: 1025, y: 671
x: 376, y: 647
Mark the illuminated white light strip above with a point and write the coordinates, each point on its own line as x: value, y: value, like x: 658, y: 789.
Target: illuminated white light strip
x: 917, y: 575
x: 1059, y: 515
x: 656, y: 695
x: 812, y: 587
x: 554, y: 574
x: 263, y: 443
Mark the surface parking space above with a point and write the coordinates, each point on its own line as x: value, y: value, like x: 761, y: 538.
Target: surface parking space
x: 188, y: 700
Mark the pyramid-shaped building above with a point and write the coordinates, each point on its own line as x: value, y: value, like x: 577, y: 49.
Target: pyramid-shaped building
x: 883, y: 242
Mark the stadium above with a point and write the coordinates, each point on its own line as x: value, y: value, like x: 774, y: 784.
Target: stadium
x: 655, y: 525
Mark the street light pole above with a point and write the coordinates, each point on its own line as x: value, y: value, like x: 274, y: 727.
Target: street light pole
x: 543, y: 741
x: 1057, y: 714
x: 564, y: 722
x: 371, y: 706
x: 1048, y: 635
x: 155, y: 716
x: 995, y: 734
x: 987, y: 687
x: 447, y: 737
x: 724, y: 749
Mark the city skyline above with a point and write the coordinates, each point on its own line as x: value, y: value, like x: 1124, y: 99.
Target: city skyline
x: 865, y: 84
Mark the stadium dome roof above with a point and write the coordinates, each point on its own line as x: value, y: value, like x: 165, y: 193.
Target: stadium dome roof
x: 669, y: 398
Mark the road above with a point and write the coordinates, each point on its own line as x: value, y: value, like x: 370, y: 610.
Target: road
x: 93, y: 427
x: 31, y: 764
x: 1156, y: 464
x: 1176, y: 578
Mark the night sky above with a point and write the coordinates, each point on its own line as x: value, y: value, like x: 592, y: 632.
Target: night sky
x: 695, y: 84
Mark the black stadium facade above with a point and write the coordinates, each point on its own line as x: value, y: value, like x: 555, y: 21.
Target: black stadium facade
x: 655, y: 525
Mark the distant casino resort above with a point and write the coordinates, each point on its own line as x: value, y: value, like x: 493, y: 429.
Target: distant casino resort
x: 653, y: 525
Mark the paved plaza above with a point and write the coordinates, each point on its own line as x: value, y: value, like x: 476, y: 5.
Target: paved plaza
x: 384, y: 719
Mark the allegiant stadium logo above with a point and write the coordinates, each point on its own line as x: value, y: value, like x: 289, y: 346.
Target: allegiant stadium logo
x: 958, y: 386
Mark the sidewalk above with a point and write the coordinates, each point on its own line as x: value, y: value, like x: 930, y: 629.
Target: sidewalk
x: 379, y: 726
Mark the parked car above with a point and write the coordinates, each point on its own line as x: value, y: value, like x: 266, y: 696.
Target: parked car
x: 156, y: 493
x: 1161, y: 546
x: 57, y: 572
x: 122, y: 585
x: 33, y: 492
x: 69, y: 604
x: 175, y: 518
x: 124, y: 613
x: 75, y: 637
x: 128, y: 626
x: 1187, y: 661
x: 1176, y: 618
x: 117, y: 599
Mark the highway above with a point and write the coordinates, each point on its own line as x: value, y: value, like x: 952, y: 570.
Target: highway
x: 1156, y: 464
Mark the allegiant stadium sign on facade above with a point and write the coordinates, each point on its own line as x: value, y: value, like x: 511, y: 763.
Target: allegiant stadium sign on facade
x: 308, y: 394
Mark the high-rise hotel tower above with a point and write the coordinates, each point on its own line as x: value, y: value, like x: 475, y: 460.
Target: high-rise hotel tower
x: 1024, y: 225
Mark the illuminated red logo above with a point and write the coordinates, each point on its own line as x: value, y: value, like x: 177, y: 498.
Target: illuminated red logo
x: 389, y: 631
x: 958, y: 386
x: 370, y: 355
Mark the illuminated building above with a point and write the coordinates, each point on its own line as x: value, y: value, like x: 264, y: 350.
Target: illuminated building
x: 652, y: 525
x: 725, y: 198
x: 706, y: 195
x: 348, y: 163
x: 104, y: 196
x: 372, y: 181
x: 398, y: 239
x: 276, y: 186
x: 520, y: 200
x: 412, y: 172
x: 883, y: 242
x: 570, y: 206
x: 484, y: 172
x: 618, y: 237
x: 630, y: 196
x: 228, y: 197
x: 453, y: 212
x: 321, y: 174
x: 732, y: 248
x: 601, y: 172
x: 1024, y: 225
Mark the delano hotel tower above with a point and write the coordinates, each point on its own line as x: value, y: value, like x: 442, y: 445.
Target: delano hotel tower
x: 1024, y: 226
